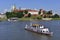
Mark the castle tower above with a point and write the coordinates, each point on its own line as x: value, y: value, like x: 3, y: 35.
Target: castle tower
x: 13, y: 7
x: 41, y: 11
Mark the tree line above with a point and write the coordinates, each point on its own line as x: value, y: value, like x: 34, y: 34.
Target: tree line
x: 46, y: 14
x: 17, y: 14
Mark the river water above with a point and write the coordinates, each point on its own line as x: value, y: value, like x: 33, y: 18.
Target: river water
x: 15, y: 30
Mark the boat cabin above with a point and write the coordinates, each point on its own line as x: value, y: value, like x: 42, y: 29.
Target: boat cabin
x: 45, y: 30
x: 37, y: 25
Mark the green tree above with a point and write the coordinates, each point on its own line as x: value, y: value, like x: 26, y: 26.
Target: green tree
x: 14, y: 14
x: 20, y: 14
x: 29, y: 15
x: 49, y: 12
x: 8, y: 14
x: 39, y: 11
x: 56, y: 16
x: 26, y: 11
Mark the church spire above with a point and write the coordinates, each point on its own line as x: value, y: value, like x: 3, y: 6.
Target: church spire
x: 14, y: 7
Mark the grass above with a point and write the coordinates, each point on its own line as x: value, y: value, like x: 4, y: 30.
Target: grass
x: 24, y: 19
x: 55, y: 18
x: 31, y: 18
x: 2, y: 19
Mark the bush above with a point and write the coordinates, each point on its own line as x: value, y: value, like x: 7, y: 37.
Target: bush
x: 14, y: 14
x: 56, y: 16
x: 20, y: 14
x: 29, y: 15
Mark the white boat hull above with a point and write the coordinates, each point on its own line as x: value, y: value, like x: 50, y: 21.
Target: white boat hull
x: 48, y: 33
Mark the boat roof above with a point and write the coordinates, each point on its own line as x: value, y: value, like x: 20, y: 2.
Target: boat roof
x: 35, y: 25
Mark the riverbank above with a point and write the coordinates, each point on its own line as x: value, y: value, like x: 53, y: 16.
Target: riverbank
x: 26, y: 19
x: 3, y: 19
x: 55, y: 18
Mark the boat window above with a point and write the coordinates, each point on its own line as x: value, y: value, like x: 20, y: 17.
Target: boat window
x: 43, y: 31
x: 46, y: 31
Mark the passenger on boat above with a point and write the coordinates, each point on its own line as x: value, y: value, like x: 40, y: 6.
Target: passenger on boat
x: 41, y: 26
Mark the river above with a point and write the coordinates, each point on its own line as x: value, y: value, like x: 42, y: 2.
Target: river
x: 15, y: 30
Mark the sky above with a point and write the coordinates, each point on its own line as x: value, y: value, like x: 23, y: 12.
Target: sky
x: 38, y: 4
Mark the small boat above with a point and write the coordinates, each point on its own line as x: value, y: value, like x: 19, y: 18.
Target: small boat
x: 38, y: 29
x: 13, y: 19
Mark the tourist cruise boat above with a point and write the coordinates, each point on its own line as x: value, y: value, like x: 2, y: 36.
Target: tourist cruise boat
x: 38, y: 29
